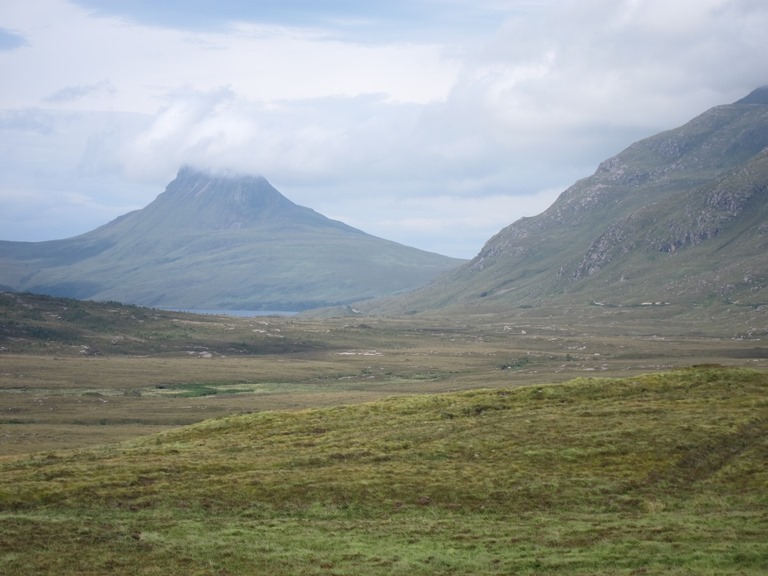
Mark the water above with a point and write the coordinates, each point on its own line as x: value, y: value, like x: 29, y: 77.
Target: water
x: 238, y: 313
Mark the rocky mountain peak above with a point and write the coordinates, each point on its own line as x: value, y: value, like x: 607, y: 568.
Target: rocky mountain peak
x: 227, y: 200
x: 757, y: 96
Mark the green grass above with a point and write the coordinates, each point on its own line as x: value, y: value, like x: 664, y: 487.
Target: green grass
x: 657, y: 474
x: 197, y: 389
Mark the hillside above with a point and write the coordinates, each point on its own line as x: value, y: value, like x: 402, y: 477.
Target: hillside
x: 675, y: 220
x: 220, y: 242
x: 655, y: 474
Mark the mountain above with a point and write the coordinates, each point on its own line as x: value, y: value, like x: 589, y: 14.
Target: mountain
x: 220, y: 242
x: 679, y: 219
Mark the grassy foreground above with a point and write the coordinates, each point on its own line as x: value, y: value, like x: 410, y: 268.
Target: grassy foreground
x: 656, y: 474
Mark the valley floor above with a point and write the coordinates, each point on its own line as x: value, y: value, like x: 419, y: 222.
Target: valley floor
x: 143, y: 442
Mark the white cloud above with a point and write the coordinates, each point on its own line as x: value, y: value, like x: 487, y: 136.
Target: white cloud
x: 259, y: 62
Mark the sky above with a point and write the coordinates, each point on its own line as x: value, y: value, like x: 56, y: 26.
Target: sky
x: 434, y: 123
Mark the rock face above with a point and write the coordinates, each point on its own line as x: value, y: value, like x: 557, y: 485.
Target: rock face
x: 220, y: 242
x: 681, y: 216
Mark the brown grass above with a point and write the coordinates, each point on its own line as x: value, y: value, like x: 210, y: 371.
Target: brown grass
x: 74, y: 374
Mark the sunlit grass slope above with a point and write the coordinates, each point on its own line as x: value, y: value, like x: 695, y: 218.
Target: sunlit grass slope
x: 659, y: 474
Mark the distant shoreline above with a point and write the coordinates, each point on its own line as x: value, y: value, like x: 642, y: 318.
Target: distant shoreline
x: 236, y: 313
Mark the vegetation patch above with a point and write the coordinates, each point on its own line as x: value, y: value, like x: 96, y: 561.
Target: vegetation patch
x: 196, y: 389
x: 657, y: 474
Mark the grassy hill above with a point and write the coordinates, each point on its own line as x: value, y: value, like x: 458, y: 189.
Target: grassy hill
x: 38, y: 324
x: 655, y: 474
x: 677, y: 219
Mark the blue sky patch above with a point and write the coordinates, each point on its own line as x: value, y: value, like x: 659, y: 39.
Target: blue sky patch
x: 10, y: 40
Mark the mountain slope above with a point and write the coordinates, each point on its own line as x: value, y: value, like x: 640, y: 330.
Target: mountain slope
x: 677, y: 218
x: 220, y: 242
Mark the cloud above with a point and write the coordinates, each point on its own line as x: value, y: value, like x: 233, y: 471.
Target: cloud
x: 72, y: 93
x: 622, y: 62
x: 27, y: 120
x: 139, y: 66
x: 59, y: 173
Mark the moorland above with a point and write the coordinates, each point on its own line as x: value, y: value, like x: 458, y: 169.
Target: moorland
x: 597, y: 441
